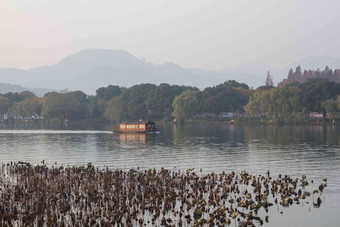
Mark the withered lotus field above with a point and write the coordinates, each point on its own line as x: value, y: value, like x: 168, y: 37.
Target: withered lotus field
x: 40, y: 195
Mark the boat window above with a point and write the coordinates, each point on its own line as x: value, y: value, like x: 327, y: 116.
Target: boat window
x: 132, y: 126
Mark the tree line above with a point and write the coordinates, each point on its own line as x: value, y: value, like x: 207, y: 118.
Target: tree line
x: 110, y: 103
x: 298, y: 75
x: 114, y: 103
x: 289, y: 102
x: 165, y: 102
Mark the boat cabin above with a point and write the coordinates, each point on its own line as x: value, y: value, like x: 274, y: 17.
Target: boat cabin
x: 140, y: 126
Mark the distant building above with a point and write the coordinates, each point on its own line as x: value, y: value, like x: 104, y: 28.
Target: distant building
x: 315, y: 115
x: 206, y: 115
x: 226, y: 115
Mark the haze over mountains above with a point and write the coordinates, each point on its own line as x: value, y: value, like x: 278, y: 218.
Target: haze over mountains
x: 88, y: 70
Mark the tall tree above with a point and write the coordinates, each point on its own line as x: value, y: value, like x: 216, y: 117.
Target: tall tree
x: 269, y: 80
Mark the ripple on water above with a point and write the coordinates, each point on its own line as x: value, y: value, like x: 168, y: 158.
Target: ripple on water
x: 294, y: 151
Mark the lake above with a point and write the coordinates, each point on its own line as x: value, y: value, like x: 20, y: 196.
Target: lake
x: 292, y: 150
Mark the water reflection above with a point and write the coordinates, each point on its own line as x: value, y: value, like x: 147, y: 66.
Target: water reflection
x: 288, y: 135
x: 211, y: 147
x: 132, y: 138
x: 293, y: 150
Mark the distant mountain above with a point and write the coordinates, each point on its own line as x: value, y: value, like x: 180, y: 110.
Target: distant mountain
x: 87, y: 70
x: 6, y: 87
x: 253, y: 73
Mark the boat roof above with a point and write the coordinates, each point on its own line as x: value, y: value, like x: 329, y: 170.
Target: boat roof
x: 136, y: 122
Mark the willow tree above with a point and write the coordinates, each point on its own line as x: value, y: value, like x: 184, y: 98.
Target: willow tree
x: 330, y: 106
x: 253, y: 107
x: 185, y: 105
x: 278, y: 103
x: 27, y: 109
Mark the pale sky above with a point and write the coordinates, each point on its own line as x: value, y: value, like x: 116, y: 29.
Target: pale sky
x: 206, y: 34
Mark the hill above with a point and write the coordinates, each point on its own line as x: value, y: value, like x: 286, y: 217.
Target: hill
x: 6, y: 87
x: 88, y: 70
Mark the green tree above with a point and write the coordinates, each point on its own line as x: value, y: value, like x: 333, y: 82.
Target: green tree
x: 159, y: 100
x: 4, y: 106
x: 80, y: 109
x: 269, y: 80
x: 103, y: 95
x: 185, y: 105
x: 27, y: 109
x: 279, y: 103
x: 16, y: 110
x: 230, y: 96
x: 59, y: 105
x: 97, y: 108
x: 233, y: 83
x: 330, y: 106
x: 255, y: 106
x: 115, y: 109
x: 314, y: 91
x: 134, y: 100
x: 107, y: 93
x: 18, y: 96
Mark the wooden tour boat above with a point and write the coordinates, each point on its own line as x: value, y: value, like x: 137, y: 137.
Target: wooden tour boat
x: 136, y: 127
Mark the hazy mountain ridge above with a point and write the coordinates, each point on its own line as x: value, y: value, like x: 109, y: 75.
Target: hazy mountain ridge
x: 6, y: 87
x: 87, y: 70
x: 254, y: 67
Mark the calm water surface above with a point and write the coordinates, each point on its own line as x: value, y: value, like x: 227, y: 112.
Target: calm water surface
x: 291, y: 150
